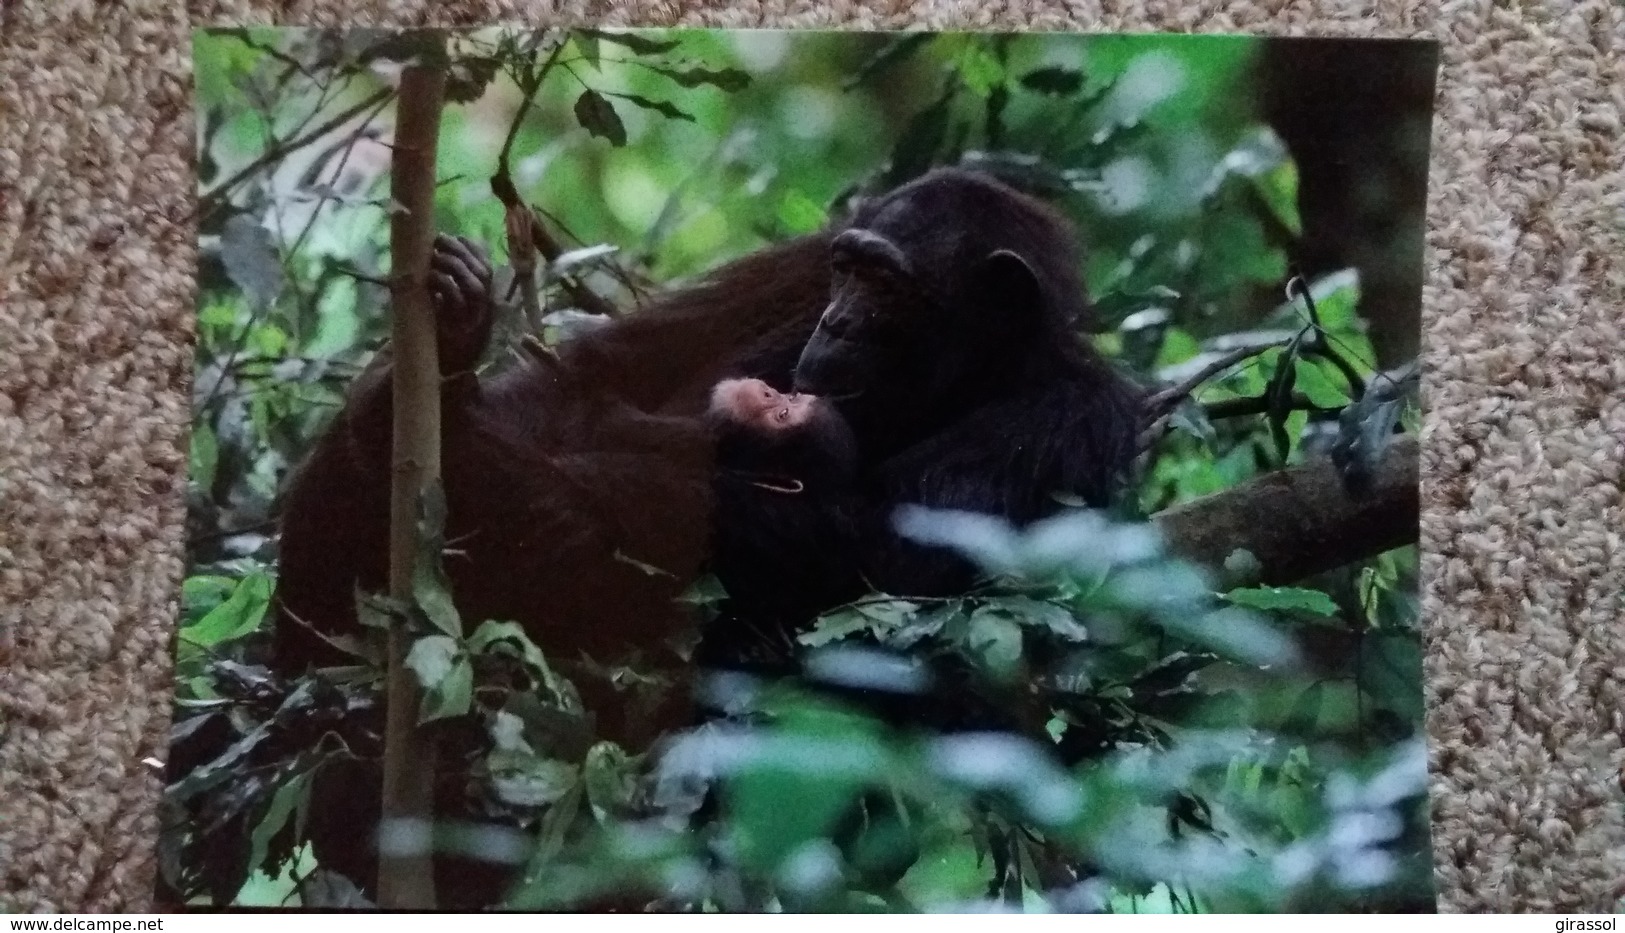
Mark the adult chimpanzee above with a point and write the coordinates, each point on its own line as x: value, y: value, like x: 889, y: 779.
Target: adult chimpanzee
x: 942, y: 318
x: 950, y: 344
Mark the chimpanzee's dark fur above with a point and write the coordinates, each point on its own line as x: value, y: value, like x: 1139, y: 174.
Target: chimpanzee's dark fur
x: 966, y: 385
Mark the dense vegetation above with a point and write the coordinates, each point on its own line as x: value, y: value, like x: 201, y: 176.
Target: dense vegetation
x: 1215, y: 744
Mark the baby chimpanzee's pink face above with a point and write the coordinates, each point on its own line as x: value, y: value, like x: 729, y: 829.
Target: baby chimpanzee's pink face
x: 755, y: 404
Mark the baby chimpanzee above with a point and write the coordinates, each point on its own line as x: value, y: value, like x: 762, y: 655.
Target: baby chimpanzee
x: 784, y: 542
x: 788, y: 444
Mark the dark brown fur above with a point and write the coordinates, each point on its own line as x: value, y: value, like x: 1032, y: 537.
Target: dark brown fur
x: 551, y: 470
x: 563, y: 477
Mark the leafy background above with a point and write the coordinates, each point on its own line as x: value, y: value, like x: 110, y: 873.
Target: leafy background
x: 1200, y: 742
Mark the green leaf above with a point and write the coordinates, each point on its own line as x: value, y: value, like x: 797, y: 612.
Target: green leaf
x: 551, y: 833
x: 800, y: 214
x: 203, y: 592
x: 1279, y: 397
x: 891, y: 53
x: 1191, y: 418
x: 611, y: 779
x: 994, y: 639
x: 1306, y: 711
x: 881, y: 618
x: 432, y: 657
x: 888, y: 614
x: 597, y: 115
x: 510, y: 638
x: 1284, y: 599
x: 251, y: 259
x: 1321, y: 388
x: 507, y: 732
x: 453, y: 696
x: 1045, y: 615
x: 706, y: 591
x: 979, y: 68
x: 1366, y: 428
x: 377, y: 610
x: 431, y: 589
x: 467, y: 78
x: 1390, y: 673
x: 1172, y: 673
x: 586, y: 43
x: 1237, y: 252
x: 1054, y: 80
x: 834, y: 626
x: 268, y: 340
x: 663, y: 107
x: 205, y: 455
x: 948, y: 872
x: 726, y: 79
x: 522, y: 780
x: 923, y: 625
x: 648, y: 569
x: 237, y: 616
x: 222, y: 58
x: 447, y: 678
x: 1278, y: 189
x: 1263, y: 160
x: 1178, y: 345
x: 635, y: 42
x: 797, y: 764
x: 1337, y: 299
x: 219, y: 314
x: 491, y: 632
x: 290, y: 796
x: 225, y: 766
x: 881, y: 844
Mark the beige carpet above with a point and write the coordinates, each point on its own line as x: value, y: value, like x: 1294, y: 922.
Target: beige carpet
x: 1525, y: 439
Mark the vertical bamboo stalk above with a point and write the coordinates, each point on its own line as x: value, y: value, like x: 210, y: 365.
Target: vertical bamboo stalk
x: 405, y: 865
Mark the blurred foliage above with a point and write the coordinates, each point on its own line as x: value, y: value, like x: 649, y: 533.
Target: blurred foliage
x: 1175, y: 741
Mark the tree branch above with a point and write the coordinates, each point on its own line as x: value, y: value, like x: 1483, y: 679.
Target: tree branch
x: 405, y: 869
x: 1259, y: 405
x: 543, y: 242
x: 1301, y: 521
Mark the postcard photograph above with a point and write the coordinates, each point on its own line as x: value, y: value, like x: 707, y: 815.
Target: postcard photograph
x: 790, y: 471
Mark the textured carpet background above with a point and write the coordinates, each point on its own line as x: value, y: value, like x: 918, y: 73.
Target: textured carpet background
x: 1522, y: 458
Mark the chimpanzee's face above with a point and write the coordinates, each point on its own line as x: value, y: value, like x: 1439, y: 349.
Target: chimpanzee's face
x: 754, y: 404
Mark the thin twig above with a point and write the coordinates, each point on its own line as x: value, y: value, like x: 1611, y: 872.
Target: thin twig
x: 344, y: 160
x: 216, y: 198
x: 540, y: 238
x: 359, y: 276
x: 1296, y: 287
x: 1166, y: 400
x: 293, y: 64
x: 530, y: 87
x: 1242, y: 407
x: 1158, y: 409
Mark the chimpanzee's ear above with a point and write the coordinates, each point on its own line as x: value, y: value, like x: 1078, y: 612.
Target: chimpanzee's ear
x: 1009, y: 281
